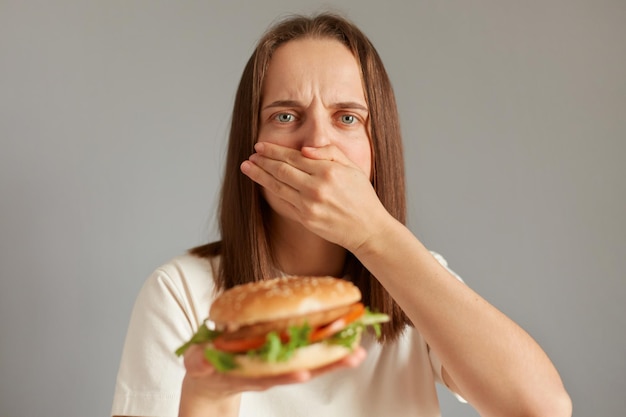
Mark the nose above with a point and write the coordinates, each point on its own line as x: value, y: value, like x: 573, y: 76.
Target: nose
x: 316, y: 131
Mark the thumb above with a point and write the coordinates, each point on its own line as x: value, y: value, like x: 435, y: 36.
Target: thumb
x: 195, y: 364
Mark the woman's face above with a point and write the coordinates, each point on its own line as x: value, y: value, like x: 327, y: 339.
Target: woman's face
x: 313, y: 96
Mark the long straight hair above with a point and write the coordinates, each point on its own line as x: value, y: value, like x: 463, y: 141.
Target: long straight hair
x: 245, y: 246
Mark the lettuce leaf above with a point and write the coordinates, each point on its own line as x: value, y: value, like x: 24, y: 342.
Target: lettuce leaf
x: 221, y: 361
x: 374, y: 320
x: 349, y: 334
x: 203, y: 335
x: 274, y: 349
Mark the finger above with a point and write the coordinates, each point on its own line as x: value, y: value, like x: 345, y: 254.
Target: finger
x: 264, y: 383
x: 351, y: 361
x: 269, y: 182
x: 283, y: 171
x: 291, y: 156
x: 288, y: 378
x: 195, y: 363
x: 328, y: 153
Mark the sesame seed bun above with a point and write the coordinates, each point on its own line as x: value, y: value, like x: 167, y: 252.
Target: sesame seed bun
x: 251, y: 311
x: 280, y: 298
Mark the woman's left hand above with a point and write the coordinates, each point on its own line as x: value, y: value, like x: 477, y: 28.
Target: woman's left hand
x: 320, y: 188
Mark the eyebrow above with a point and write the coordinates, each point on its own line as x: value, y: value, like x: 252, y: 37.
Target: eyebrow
x: 294, y: 103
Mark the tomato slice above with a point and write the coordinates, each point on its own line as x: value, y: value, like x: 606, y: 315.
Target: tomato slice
x: 238, y: 345
x: 336, y: 326
x: 242, y: 345
x: 251, y: 343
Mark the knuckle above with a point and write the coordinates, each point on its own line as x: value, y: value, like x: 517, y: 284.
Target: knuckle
x: 329, y: 175
x: 275, y: 187
x: 311, y: 211
x: 282, y: 171
x: 319, y: 194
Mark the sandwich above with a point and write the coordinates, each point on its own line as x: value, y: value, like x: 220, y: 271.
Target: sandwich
x: 284, y: 325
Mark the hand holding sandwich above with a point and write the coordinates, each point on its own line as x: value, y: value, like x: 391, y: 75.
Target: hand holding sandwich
x: 275, y: 332
x: 205, y: 388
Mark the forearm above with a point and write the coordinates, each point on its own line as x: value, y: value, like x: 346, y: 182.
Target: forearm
x: 195, y: 403
x: 497, y: 366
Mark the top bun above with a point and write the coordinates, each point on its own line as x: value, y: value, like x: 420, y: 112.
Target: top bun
x: 281, y: 298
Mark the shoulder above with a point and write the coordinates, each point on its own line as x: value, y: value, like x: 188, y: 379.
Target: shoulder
x: 183, y: 283
x: 189, y: 269
x: 171, y: 305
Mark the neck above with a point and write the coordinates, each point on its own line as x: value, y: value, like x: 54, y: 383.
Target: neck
x: 301, y: 252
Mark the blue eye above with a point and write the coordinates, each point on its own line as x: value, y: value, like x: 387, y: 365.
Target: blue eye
x: 348, y: 119
x: 285, y: 117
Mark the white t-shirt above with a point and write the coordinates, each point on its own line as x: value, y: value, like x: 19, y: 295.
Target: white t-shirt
x: 396, y: 379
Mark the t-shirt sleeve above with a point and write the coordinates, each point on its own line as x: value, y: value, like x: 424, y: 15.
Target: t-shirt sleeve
x: 435, y: 362
x: 150, y: 374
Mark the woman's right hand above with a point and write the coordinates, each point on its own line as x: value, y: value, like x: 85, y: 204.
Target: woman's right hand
x: 206, y: 391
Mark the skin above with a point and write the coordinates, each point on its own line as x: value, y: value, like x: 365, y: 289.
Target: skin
x: 206, y: 392
x: 310, y: 101
x: 313, y: 100
x: 313, y: 160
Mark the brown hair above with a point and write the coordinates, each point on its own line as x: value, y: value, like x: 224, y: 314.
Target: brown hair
x: 243, y: 213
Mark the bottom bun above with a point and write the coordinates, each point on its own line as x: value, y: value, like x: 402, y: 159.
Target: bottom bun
x: 306, y: 358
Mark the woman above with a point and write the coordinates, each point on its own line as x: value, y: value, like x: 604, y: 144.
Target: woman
x: 314, y: 185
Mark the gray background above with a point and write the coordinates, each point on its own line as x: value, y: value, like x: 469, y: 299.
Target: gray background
x: 113, y: 118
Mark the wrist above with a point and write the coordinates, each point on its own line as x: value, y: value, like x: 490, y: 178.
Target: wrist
x: 383, y: 228
x: 197, y: 400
